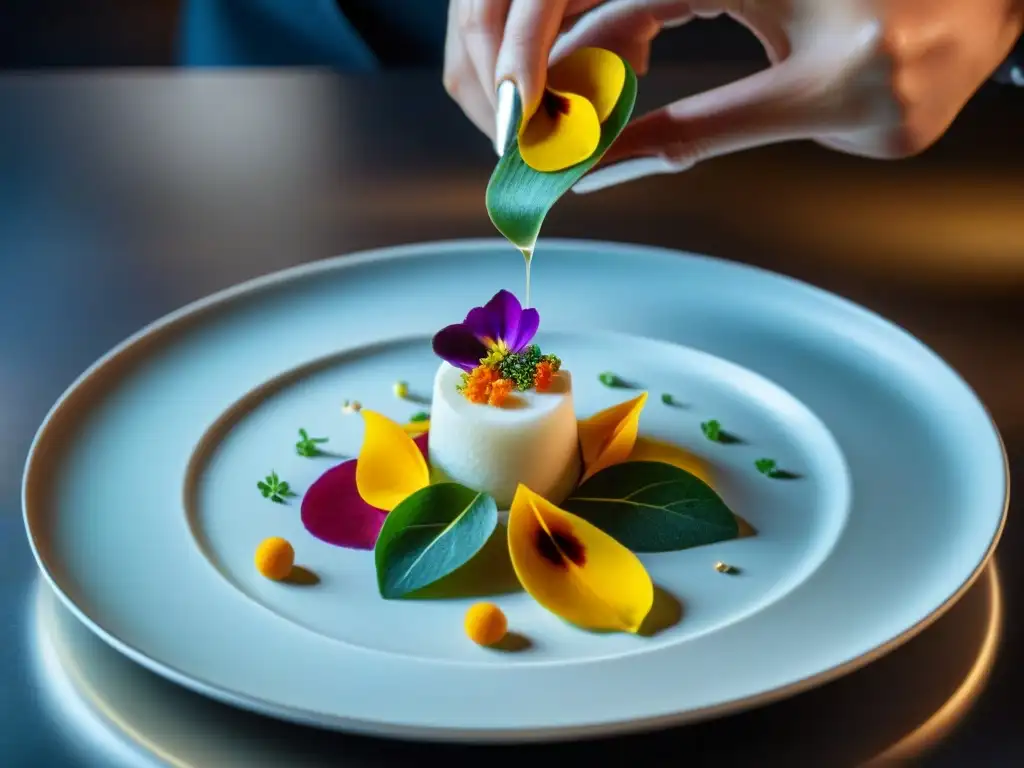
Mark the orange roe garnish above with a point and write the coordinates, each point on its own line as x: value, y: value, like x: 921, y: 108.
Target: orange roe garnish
x: 477, y: 388
x: 542, y: 376
x: 500, y: 390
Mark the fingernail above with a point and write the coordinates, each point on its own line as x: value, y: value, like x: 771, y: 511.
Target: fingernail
x: 620, y: 173
x: 507, y: 116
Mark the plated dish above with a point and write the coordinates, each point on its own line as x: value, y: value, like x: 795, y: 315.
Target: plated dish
x: 841, y: 487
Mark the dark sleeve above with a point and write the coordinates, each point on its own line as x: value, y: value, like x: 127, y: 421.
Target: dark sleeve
x: 1012, y: 70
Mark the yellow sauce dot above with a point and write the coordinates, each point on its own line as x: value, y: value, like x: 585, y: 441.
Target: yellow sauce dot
x: 275, y: 558
x: 486, y: 624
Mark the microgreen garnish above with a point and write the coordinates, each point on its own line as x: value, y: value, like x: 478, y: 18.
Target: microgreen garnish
x: 609, y: 379
x: 420, y: 416
x: 712, y: 430
x: 667, y: 399
x: 521, y: 367
x: 308, y: 446
x: 274, y: 488
x: 766, y: 466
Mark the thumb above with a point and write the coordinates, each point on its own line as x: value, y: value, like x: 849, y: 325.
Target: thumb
x: 785, y: 102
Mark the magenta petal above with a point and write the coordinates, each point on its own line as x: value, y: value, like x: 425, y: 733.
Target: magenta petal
x: 457, y: 345
x: 333, y: 511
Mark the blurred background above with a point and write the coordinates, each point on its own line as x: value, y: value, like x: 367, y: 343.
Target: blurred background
x: 145, y: 33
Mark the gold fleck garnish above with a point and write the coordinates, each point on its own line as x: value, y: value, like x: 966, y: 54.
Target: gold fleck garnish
x: 401, y: 390
x: 725, y: 567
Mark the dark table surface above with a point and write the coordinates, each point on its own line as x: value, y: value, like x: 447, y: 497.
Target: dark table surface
x: 124, y: 196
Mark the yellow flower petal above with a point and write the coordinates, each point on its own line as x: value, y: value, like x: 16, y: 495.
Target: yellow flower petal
x: 414, y: 428
x: 608, y: 437
x: 390, y: 467
x: 575, y: 570
x: 564, y: 130
x: 647, y: 449
x: 593, y: 73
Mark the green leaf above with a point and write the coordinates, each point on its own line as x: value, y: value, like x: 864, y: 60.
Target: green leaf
x: 432, y: 533
x: 518, y: 197
x: 303, y: 434
x: 282, y: 488
x: 264, y: 488
x: 765, y: 466
x: 649, y: 506
x: 712, y: 430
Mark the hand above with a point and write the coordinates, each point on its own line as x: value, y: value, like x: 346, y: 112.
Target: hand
x: 491, y: 41
x: 880, y: 79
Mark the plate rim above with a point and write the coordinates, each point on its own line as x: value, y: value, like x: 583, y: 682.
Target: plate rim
x: 514, y: 734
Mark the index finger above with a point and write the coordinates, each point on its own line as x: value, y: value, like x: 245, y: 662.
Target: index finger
x: 530, y: 32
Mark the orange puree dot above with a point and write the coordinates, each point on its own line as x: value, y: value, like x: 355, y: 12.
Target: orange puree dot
x: 486, y: 624
x: 275, y: 558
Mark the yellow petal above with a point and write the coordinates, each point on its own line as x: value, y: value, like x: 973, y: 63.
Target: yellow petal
x: 608, y: 437
x: 564, y: 130
x: 390, y: 467
x: 414, y: 428
x: 575, y: 570
x: 647, y: 449
x: 593, y: 73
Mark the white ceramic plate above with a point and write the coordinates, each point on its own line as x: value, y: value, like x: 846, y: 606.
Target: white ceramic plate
x: 141, y: 506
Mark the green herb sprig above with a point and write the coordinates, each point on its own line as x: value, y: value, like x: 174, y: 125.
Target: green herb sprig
x: 309, y: 446
x: 274, y: 488
x: 712, y: 430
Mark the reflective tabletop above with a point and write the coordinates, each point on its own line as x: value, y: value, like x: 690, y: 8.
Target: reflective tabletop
x: 125, y: 196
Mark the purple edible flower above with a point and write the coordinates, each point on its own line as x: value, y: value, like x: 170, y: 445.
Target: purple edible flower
x: 501, y: 325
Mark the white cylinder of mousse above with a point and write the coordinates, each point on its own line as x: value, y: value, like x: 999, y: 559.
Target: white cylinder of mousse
x: 531, y: 439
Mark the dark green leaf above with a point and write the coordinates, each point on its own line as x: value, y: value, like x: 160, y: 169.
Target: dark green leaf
x: 420, y: 416
x: 277, y: 499
x: 264, y: 488
x: 518, y: 197
x: 303, y: 434
x: 282, y: 488
x: 431, y: 534
x: 649, y: 506
x: 765, y: 466
x: 319, y: 439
